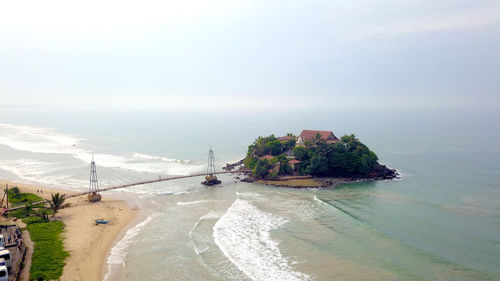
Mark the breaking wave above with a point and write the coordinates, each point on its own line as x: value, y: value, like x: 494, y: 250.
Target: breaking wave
x: 33, y: 170
x: 181, y: 203
x: 243, y: 235
x: 118, y: 253
x: 49, y: 141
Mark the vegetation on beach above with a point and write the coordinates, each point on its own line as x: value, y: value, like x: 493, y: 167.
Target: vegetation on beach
x: 56, y: 202
x: 17, y: 198
x: 48, y: 260
x: 269, y: 157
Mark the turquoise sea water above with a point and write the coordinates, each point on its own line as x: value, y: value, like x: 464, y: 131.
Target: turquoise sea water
x: 440, y: 221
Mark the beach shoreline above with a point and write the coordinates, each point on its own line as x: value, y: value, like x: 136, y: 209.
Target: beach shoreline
x: 89, y: 244
x: 113, y: 271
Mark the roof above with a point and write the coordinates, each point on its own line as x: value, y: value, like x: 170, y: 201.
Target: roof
x: 311, y: 135
x: 294, y: 161
x: 285, y: 138
x: 267, y: 157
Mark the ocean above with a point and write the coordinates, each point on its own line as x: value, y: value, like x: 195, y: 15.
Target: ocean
x: 439, y: 221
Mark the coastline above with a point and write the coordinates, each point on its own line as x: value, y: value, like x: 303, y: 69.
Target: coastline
x: 113, y: 271
x: 89, y: 244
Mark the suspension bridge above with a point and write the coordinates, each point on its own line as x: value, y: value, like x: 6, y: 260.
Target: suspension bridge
x: 93, y: 192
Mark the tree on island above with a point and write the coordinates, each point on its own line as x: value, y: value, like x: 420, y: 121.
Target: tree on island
x: 348, y: 157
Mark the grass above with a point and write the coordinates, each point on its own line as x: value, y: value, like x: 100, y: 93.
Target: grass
x: 294, y: 183
x: 49, y: 256
x: 48, y: 260
x: 18, y: 198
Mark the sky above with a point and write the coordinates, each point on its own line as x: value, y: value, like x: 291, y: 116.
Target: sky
x: 290, y: 54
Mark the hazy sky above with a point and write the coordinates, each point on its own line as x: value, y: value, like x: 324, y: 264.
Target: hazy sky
x: 250, y: 54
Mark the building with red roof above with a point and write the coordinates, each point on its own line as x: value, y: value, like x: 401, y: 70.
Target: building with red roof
x: 310, y: 135
x: 267, y: 157
x: 285, y: 138
x: 294, y: 164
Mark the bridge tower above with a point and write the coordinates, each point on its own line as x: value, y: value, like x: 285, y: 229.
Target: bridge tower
x: 211, y: 162
x: 93, y: 195
x: 211, y: 179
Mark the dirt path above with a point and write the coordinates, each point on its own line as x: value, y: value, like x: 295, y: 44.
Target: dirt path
x: 25, y: 273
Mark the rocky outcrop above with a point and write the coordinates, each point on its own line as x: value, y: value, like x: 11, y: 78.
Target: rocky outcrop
x: 380, y: 172
x: 231, y: 166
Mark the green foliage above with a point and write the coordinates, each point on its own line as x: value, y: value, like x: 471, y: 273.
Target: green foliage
x: 284, y: 168
x: 318, y: 165
x: 261, y: 169
x: 266, y: 145
x: 17, y: 198
x: 27, y: 210
x: 289, y: 144
x: 348, y: 157
x: 261, y: 145
x: 300, y: 152
x: 272, y: 176
x: 34, y: 219
x: 273, y: 147
x: 250, y: 162
x: 345, y: 158
x: 42, y: 213
x: 48, y: 257
x: 272, y: 161
x: 56, y: 202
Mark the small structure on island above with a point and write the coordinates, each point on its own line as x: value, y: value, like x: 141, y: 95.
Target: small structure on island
x: 311, y: 135
x: 286, y: 138
x: 93, y: 195
x: 211, y: 178
x: 294, y: 164
x: 266, y: 157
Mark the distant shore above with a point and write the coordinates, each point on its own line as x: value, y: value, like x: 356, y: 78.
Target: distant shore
x: 88, y: 243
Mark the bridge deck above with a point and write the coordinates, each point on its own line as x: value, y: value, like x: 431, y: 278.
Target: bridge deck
x: 132, y: 184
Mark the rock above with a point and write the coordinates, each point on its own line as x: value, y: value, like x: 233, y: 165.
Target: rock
x: 231, y: 166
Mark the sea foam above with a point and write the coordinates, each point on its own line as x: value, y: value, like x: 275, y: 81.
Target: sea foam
x: 118, y: 253
x: 47, y: 140
x: 181, y: 203
x: 33, y: 170
x: 243, y: 235
x: 38, y: 140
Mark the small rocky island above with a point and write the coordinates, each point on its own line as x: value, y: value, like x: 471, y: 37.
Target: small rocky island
x: 311, y: 159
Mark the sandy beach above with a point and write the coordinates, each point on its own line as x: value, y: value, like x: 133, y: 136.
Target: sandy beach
x: 87, y: 242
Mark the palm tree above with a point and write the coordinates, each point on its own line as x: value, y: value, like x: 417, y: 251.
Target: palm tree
x: 56, y: 202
